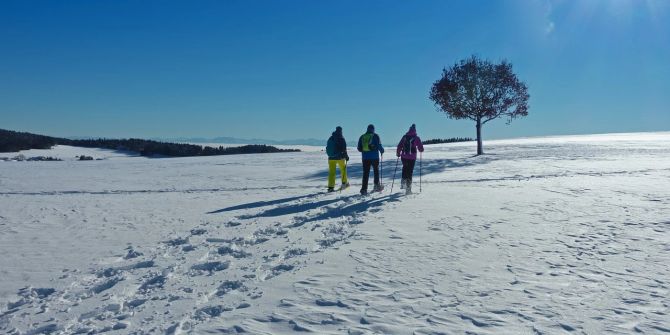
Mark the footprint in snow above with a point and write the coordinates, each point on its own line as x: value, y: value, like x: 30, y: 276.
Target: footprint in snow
x: 233, y: 223
x: 233, y: 251
x: 209, y: 267
x: 155, y: 282
x: 211, y: 312
x: 328, y: 303
x: 229, y: 286
x: 177, y: 241
x: 277, y: 270
x: 132, y: 253
x: 106, y: 285
x: 113, y: 271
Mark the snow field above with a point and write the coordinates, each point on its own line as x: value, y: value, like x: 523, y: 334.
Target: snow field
x: 544, y: 236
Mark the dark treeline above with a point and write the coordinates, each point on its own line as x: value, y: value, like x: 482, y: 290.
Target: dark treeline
x: 154, y: 148
x: 11, y: 141
x: 448, y: 140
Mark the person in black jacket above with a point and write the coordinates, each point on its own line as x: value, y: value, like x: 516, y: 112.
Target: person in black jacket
x: 336, y: 149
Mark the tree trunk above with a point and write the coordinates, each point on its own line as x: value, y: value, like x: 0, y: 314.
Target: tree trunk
x: 480, y: 150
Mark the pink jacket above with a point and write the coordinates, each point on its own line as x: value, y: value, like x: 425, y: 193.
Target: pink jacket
x: 415, y: 146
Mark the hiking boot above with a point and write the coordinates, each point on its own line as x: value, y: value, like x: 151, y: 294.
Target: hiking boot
x: 408, y: 187
x: 402, y: 183
x: 331, y: 189
x: 378, y: 188
x: 344, y: 185
x: 364, y: 192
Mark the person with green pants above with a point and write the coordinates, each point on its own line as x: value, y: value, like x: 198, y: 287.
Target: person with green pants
x: 336, y: 149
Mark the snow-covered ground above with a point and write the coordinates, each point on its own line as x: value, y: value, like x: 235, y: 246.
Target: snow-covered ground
x: 541, y: 235
x: 70, y: 153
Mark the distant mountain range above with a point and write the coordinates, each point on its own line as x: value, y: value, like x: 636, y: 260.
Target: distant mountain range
x: 234, y: 140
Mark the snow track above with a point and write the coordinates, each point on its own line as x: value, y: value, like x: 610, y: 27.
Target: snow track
x: 183, y: 274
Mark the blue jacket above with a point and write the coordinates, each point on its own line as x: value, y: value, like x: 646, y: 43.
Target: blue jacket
x: 370, y: 145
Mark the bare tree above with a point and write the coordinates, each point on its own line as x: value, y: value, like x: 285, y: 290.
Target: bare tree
x: 481, y: 91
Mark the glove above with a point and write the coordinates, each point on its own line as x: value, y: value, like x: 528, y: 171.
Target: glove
x: 397, y: 154
x: 346, y: 157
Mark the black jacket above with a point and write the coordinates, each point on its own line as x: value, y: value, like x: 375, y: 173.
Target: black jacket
x: 340, y: 147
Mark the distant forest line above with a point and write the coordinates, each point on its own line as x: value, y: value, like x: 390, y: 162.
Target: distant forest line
x: 13, y: 141
x: 448, y: 140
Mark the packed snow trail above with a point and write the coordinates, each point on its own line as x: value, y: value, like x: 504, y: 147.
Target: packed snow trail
x: 545, y: 236
x: 182, y: 275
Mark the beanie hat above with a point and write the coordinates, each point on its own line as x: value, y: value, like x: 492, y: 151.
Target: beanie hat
x: 371, y: 128
x: 338, y: 129
x: 413, y: 127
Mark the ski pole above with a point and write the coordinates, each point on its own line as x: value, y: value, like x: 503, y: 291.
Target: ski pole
x: 381, y: 170
x: 420, y: 165
x: 394, y: 171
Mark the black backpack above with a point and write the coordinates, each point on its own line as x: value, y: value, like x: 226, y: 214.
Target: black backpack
x: 408, y: 147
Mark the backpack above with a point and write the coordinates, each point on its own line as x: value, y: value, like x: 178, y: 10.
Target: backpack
x: 367, y: 140
x: 330, y: 147
x: 408, y: 145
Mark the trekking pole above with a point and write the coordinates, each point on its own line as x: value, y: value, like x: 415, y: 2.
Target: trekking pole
x: 381, y: 170
x: 394, y: 171
x: 420, y: 164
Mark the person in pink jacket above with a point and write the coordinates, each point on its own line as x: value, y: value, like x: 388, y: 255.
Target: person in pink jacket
x: 409, y: 144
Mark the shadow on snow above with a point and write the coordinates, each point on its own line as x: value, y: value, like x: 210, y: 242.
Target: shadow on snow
x: 265, y: 203
x: 354, y: 171
x: 296, y: 208
x: 429, y: 166
x: 352, y: 210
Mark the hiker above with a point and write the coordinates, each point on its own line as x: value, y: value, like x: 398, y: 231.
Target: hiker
x: 371, y: 146
x: 407, y: 148
x: 336, y: 149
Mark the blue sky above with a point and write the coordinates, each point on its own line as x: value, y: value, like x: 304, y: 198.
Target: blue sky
x: 296, y: 69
